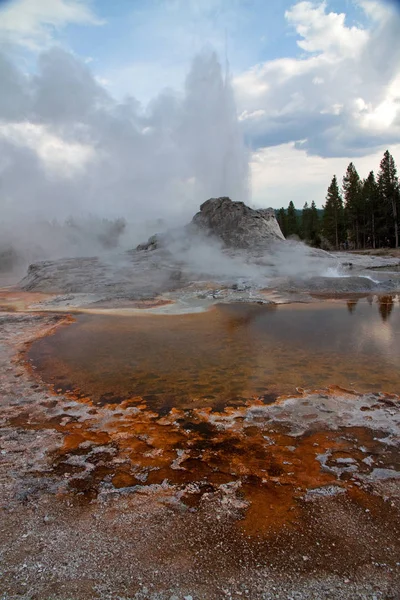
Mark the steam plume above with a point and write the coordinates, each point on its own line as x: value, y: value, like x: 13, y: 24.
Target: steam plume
x: 69, y: 149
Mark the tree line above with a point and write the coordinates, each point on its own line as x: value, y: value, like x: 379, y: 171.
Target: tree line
x: 363, y: 213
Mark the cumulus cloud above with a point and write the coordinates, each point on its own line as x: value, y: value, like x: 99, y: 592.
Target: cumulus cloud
x: 325, y: 32
x: 31, y: 23
x: 309, y: 174
x: 340, y: 96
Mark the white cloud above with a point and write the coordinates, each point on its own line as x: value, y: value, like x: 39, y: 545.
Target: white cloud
x: 384, y: 114
x: 325, y: 32
x: 102, y: 81
x: 309, y: 175
x: 334, y: 109
x: 32, y: 23
x: 251, y: 115
x: 377, y: 10
x: 342, y: 95
x: 59, y: 158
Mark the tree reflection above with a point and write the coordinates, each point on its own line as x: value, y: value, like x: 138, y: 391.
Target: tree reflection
x: 385, y: 306
x: 351, y: 305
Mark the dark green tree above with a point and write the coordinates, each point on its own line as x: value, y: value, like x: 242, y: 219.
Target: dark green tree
x: 370, y: 194
x: 388, y: 185
x: 292, y: 222
x: 353, y: 205
x: 333, y: 218
x: 305, y: 222
x: 314, y: 225
x: 282, y: 220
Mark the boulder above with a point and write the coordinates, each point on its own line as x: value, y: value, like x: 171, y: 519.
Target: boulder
x: 236, y: 224
x: 233, y: 223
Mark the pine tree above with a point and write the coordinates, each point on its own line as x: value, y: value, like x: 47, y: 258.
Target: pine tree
x: 333, y: 220
x: 292, y: 223
x: 388, y: 185
x: 282, y: 220
x: 305, y: 223
x: 370, y: 194
x: 353, y: 203
x: 315, y: 226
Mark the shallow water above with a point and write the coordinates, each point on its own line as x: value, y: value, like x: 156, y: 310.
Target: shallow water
x: 225, y: 356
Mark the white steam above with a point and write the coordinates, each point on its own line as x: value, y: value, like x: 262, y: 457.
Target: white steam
x: 202, y: 257
x: 68, y: 149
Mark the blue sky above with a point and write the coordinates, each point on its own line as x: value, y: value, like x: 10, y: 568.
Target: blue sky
x: 143, y: 45
x: 316, y: 84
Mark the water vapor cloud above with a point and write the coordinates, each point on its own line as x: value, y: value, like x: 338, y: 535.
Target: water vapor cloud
x: 68, y: 148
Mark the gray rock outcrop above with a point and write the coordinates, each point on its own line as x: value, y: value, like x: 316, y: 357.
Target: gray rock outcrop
x: 237, y: 248
x: 233, y: 223
x: 236, y: 224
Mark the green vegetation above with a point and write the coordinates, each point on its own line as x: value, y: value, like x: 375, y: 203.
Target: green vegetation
x: 363, y: 214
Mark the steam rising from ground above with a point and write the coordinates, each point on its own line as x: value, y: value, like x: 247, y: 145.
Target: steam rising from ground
x: 204, y: 256
x: 68, y: 149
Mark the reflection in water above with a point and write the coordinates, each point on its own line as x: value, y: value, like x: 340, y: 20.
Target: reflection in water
x: 225, y: 356
x: 351, y: 305
x: 385, y: 306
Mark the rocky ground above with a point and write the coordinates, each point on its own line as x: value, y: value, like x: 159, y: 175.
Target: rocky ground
x: 227, y: 246
x: 290, y: 274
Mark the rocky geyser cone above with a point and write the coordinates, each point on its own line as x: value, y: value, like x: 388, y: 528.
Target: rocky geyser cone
x: 233, y: 223
x: 236, y: 224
